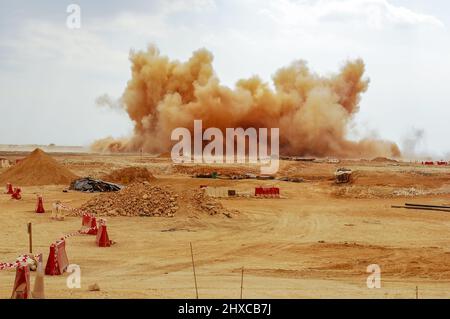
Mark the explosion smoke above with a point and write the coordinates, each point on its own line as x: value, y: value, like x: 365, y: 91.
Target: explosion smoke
x: 312, y: 112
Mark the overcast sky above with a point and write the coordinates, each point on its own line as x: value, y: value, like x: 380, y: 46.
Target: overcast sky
x: 50, y: 75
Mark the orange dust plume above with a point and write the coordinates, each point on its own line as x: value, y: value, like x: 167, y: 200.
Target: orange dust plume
x: 312, y: 112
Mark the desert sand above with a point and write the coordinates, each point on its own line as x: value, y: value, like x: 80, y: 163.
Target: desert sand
x: 314, y: 242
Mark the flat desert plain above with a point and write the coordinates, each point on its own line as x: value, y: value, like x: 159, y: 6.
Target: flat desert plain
x: 316, y: 241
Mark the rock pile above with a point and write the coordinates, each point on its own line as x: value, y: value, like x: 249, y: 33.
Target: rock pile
x: 139, y: 199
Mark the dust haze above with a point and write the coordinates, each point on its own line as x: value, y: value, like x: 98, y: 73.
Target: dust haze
x: 313, y: 112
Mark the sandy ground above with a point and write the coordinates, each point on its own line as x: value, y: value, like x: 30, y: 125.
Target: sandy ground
x: 315, y: 242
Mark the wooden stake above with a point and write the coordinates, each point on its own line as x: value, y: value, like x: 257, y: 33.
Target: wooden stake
x: 30, y: 238
x: 242, y: 280
x: 193, y: 268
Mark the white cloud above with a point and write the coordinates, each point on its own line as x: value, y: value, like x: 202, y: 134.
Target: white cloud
x: 373, y: 13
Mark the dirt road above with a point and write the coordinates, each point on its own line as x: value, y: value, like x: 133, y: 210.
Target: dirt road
x: 315, y: 241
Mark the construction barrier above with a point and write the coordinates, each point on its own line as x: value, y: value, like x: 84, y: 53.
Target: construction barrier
x: 16, y: 193
x: 21, y: 289
x: 102, y: 235
x: 57, y: 261
x: 89, y: 221
x: 267, y: 192
x: 40, y: 205
x: 24, y: 260
x: 9, y: 189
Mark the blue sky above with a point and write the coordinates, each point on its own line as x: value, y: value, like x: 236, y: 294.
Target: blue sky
x: 50, y: 75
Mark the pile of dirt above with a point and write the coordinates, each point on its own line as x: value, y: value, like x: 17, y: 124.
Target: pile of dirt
x: 383, y: 160
x: 129, y: 175
x: 138, y: 199
x: 144, y: 199
x: 202, y: 202
x: 36, y: 169
x: 201, y: 169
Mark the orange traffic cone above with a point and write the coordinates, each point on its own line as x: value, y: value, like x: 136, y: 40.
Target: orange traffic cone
x: 40, y: 205
x: 21, y: 289
x: 102, y: 235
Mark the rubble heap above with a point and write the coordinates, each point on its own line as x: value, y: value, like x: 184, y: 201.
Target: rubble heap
x: 138, y: 199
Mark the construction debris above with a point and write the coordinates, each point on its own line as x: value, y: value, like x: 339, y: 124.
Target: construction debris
x: 93, y: 185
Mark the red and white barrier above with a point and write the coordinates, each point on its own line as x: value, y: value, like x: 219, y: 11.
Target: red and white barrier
x: 102, y: 235
x: 57, y: 261
x: 267, y: 192
x: 16, y: 193
x: 89, y: 221
x: 23, y: 260
x: 21, y: 289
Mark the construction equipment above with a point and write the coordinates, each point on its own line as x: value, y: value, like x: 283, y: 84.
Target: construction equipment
x: 343, y: 175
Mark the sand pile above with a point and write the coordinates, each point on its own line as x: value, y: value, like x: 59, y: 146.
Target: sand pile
x: 38, y: 168
x: 139, y: 199
x: 129, y: 175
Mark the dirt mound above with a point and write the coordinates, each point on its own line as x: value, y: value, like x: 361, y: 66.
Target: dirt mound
x: 207, y: 204
x: 199, y: 169
x: 38, y: 168
x: 139, y: 199
x: 129, y: 175
x: 383, y: 160
x: 144, y: 199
